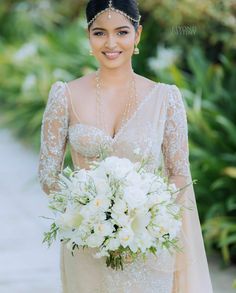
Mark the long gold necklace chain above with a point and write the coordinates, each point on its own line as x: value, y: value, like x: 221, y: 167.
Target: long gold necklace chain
x: 98, y: 100
x: 99, y: 105
x: 132, y: 99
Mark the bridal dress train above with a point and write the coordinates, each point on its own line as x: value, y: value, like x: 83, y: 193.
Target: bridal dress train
x: 158, y: 127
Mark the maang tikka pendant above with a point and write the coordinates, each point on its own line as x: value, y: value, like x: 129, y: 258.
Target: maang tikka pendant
x: 109, y: 11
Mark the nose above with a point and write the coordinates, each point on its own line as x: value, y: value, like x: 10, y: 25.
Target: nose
x: 111, y: 42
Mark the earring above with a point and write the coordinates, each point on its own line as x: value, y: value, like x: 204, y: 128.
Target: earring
x: 91, y: 52
x: 136, y: 50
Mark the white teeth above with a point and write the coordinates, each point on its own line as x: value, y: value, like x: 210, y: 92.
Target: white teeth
x: 112, y: 54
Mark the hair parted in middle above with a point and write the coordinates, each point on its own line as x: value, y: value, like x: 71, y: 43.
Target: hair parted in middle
x: 128, y: 8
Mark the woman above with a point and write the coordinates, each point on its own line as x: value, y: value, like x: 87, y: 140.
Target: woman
x: 119, y: 110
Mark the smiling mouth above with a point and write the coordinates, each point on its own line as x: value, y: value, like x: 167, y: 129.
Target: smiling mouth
x: 112, y: 55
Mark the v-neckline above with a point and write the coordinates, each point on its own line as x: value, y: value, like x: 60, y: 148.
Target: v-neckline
x: 114, y: 138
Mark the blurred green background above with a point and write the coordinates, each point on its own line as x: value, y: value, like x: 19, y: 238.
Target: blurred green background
x: 188, y: 43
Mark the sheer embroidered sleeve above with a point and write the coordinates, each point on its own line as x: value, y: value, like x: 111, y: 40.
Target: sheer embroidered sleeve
x: 54, y: 130
x: 175, y: 141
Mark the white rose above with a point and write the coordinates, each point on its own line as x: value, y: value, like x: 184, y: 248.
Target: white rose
x: 101, y: 203
x: 96, y: 206
x: 125, y: 236
x: 113, y: 244
x: 119, y: 207
x: 88, y: 211
x: 120, y: 219
x: 134, y: 196
x: 94, y: 240
x: 133, y: 246
x: 157, y: 185
x: 168, y: 224
x: 70, y: 219
x: 140, y: 221
x: 157, y: 197
x: 118, y: 167
x: 133, y: 178
x: 144, y: 241
x: 104, y: 228
x: 102, y: 187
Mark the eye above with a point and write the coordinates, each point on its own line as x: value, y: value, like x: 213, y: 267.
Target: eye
x: 98, y: 33
x: 122, y: 33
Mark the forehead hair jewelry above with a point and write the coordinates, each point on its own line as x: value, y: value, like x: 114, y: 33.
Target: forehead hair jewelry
x: 111, y: 8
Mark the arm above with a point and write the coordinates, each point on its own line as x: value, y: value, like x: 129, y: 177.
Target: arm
x: 53, y: 137
x: 175, y: 141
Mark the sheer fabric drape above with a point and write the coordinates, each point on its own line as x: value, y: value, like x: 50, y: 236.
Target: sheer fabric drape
x: 158, y: 128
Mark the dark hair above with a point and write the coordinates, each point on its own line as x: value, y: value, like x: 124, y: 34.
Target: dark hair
x: 130, y: 7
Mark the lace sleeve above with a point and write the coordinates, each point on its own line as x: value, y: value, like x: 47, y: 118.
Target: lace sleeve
x: 175, y: 141
x: 53, y: 137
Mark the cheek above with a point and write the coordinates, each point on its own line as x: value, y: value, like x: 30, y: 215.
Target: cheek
x: 128, y: 47
x: 94, y: 45
x: 127, y: 43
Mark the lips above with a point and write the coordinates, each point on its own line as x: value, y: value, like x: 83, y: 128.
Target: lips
x: 112, y: 55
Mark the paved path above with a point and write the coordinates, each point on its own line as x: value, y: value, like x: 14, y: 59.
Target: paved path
x: 27, y: 266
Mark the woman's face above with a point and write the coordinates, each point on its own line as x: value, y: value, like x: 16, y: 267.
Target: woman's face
x: 113, y: 39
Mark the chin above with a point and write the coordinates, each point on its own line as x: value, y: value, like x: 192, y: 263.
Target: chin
x: 111, y: 66
x: 114, y: 65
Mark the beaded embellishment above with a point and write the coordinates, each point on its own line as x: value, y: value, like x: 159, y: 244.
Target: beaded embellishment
x: 111, y: 8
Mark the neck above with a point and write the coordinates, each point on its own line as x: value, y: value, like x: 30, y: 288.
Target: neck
x: 117, y: 77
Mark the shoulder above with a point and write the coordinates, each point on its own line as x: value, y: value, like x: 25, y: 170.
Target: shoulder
x: 170, y: 90
x: 57, y: 95
x: 173, y: 94
x: 175, y: 103
x: 144, y: 81
x: 81, y: 82
x: 61, y: 87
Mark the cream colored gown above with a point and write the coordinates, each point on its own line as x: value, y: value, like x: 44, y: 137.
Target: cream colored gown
x: 159, y: 128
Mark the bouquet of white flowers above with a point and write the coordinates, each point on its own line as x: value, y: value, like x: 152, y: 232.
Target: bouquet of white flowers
x: 118, y: 207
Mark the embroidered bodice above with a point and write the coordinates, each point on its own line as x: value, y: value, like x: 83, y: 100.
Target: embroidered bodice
x: 158, y: 128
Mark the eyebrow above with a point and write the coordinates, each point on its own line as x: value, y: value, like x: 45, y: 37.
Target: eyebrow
x: 120, y: 27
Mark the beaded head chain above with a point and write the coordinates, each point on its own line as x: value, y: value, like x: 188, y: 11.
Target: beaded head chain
x: 111, y: 8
